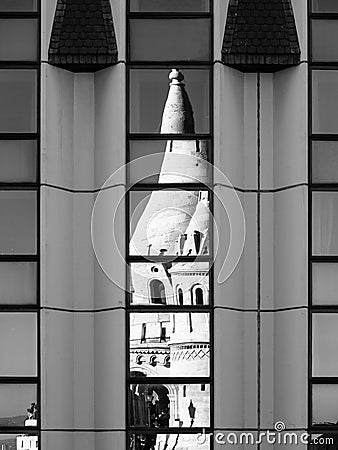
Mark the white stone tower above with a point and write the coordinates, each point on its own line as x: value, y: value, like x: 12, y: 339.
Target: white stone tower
x: 175, y: 223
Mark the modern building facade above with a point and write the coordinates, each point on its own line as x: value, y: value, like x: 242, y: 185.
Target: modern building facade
x: 168, y: 234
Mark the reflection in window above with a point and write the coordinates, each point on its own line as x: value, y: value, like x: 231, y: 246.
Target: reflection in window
x: 18, y: 161
x: 325, y: 6
x: 170, y: 5
x: 159, y: 406
x: 325, y: 404
x: 157, y: 292
x: 148, y: 94
x: 18, y: 39
x: 17, y: 282
x: 187, y: 350
x: 150, y: 441
x: 18, y: 345
x: 324, y: 101
x: 160, y: 218
x: 325, y: 162
x: 15, y: 401
x: 18, y: 108
x: 164, y: 156
x: 325, y: 345
x: 325, y: 283
x: 18, y: 222
x: 325, y: 223
x: 169, y: 40
x: 324, y: 40
x: 176, y: 279
x: 18, y: 441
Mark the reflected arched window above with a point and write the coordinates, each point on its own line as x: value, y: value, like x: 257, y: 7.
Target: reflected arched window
x: 180, y: 296
x: 157, y: 292
x: 199, y: 296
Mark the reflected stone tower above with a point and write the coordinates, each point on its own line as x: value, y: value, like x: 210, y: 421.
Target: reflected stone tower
x: 174, y: 223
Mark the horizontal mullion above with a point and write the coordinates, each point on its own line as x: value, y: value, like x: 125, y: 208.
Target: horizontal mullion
x: 169, y: 186
x: 167, y: 430
x: 30, y: 431
x: 168, y: 15
x: 19, y: 186
x: 324, y: 380
x: 322, y: 309
x: 167, y: 259
x: 18, y: 136
x: 146, y: 308
x: 169, y: 380
x: 324, y: 187
x: 34, y: 308
x: 19, y: 380
x: 169, y: 137
x: 19, y: 258
x: 323, y: 16
x: 171, y: 62
x: 20, y: 65
x: 323, y: 65
x: 19, y: 15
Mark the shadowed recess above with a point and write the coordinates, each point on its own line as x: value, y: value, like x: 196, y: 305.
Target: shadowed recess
x: 83, y: 36
x: 260, y: 35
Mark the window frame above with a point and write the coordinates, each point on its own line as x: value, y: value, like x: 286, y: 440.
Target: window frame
x: 32, y: 186
x: 130, y: 136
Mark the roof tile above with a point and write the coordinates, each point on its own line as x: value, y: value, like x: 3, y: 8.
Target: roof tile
x: 260, y: 34
x: 82, y: 29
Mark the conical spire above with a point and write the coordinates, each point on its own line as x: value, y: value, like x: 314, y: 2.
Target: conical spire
x: 178, y: 117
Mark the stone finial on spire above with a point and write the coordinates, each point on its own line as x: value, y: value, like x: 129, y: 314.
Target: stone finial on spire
x: 178, y: 117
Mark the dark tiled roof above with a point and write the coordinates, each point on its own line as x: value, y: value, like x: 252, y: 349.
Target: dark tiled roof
x: 260, y: 35
x: 83, y: 37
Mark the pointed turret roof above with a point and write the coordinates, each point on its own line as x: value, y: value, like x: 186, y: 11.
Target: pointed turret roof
x: 178, y: 117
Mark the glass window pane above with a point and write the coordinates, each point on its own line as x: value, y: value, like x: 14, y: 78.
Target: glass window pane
x: 324, y: 6
x: 324, y: 101
x: 170, y: 335
x: 17, y: 5
x: 18, y: 39
x: 168, y: 441
x: 325, y: 283
x: 325, y: 404
x: 171, y: 161
x: 18, y: 107
x: 169, y: 222
x: 169, y: 283
x: 325, y: 223
x: 169, y: 5
x: 149, y: 92
x: 325, y: 162
x: 325, y: 345
x: 172, y: 405
x: 18, y: 161
x: 18, y: 222
x: 170, y: 39
x: 17, y: 282
x: 15, y: 399
x: 324, y: 40
x: 18, y: 441
x: 18, y: 344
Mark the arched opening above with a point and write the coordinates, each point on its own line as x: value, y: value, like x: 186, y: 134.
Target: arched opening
x: 199, y: 296
x: 157, y: 292
x: 180, y: 296
x: 149, y: 405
